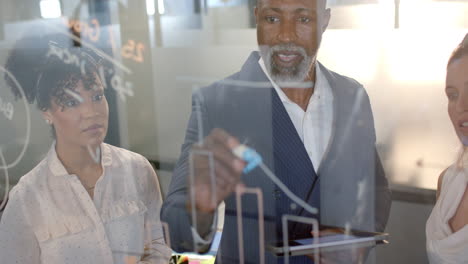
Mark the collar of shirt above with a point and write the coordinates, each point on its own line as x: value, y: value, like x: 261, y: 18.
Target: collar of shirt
x: 57, y: 168
x: 314, y: 125
x: 322, y: 87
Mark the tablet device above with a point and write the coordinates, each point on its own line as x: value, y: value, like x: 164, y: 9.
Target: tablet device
x: 330, y: 239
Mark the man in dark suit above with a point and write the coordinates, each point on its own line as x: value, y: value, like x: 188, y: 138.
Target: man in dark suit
x: 313, y: 128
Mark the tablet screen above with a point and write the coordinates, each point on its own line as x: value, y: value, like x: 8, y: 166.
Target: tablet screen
x: 332, y: 239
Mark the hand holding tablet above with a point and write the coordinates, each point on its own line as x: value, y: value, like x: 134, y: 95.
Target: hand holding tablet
x: 335, y: 241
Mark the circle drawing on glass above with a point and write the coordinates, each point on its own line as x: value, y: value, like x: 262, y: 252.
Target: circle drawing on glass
x: 7, y: 182
x: 10, y: 118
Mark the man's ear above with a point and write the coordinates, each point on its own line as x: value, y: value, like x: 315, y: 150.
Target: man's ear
x: 256, y: 14
x: 326, y: 19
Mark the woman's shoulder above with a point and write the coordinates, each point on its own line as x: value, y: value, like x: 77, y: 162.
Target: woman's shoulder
x: 447, y: 176
x: 35, y: 175
x: 29, y: 184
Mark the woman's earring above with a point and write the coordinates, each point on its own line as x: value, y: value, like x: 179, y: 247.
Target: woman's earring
x: 48, y: 121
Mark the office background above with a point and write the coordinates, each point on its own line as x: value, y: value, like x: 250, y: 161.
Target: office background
x: 165, y: 49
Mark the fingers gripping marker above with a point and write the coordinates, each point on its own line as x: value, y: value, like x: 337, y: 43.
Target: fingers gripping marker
x: 249, y: 155
x: 253, y: 160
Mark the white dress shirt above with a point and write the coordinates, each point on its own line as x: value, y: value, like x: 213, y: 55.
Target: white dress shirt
x: 314, y: 126
x: 51, y: 219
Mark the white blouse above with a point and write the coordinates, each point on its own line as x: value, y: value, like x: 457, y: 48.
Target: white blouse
x: 444, y: 246
x: 50, y: 217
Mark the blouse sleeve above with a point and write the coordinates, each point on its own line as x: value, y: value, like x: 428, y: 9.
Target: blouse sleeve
x: 156, y: 250
x: 18, y: 243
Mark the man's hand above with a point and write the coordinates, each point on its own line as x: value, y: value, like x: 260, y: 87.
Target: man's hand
x: 224, y: 166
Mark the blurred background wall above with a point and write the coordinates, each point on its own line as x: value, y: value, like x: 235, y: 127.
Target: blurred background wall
x: 165, y: 49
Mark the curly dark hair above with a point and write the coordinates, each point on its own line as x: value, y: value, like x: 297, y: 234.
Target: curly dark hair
x: 460, y: 51
x: 45, y: 66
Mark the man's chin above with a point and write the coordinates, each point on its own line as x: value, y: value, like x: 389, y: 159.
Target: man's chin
x: 287, y: 77
x: 294, y: 74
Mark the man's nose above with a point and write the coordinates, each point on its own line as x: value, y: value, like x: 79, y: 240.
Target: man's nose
x: 287, y: 32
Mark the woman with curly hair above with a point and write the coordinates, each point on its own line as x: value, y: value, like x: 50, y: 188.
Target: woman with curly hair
x: 86, y: 201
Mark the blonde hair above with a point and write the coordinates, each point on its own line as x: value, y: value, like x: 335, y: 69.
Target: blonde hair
x: 460, y: 51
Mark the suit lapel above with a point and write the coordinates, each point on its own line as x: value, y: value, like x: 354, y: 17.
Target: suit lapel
x: 289, y: 150
x: 337, y: 103
x: 270, y: 131
x: 292, y: 163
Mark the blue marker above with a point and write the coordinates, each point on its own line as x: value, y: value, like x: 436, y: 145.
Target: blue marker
x: 249, y: 155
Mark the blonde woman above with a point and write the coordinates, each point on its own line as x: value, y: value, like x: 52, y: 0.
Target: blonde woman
x: 446, y: 228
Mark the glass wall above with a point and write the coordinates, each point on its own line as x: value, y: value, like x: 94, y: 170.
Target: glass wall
x: 155, y: 57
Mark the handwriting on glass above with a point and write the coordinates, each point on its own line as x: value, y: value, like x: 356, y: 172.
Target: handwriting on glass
x: 91, y: 30
x: 67, y: 57
x: 7, y: 109
x: 132, y: 50
x: 122, y: 87
x: 96, y: 155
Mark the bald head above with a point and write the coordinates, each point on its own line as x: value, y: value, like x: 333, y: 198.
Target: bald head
x: 321, y: 4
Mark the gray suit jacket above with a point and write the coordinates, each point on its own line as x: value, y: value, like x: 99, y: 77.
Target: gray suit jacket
x: 350, y: 186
